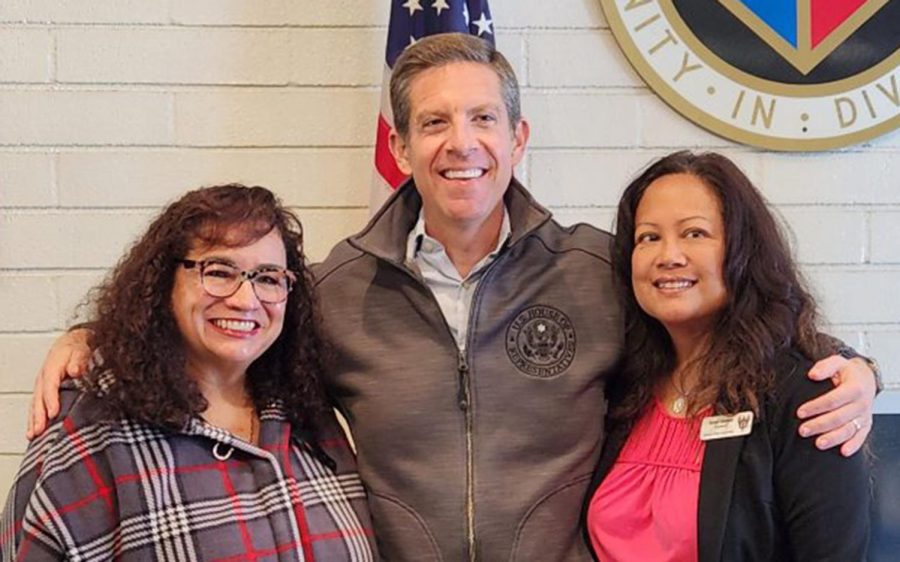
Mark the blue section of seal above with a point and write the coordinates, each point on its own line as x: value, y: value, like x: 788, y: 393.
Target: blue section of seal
x: 780, y: 15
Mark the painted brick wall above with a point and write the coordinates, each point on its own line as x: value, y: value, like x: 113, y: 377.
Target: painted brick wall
x: 110, y: 108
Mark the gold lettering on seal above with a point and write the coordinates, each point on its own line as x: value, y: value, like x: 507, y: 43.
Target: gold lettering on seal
x: 685, y: 67
x: 840, y: 105
x: 670, y: 38
x: 760, y: 111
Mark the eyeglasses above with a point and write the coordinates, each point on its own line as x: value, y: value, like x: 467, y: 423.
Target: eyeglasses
x: 219, y: 279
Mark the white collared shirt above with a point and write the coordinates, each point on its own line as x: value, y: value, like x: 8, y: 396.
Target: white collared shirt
x: 454, y: 294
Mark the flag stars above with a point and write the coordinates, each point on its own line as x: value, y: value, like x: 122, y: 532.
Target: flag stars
x: 466, y: 12
x: 440, y: 5
x: 484, y: 25
x: 412, y: 41
x: 413, y: 6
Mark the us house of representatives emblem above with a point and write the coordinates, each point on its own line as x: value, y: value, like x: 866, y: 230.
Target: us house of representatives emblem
x: 540, y: 341
x: 778, y: 74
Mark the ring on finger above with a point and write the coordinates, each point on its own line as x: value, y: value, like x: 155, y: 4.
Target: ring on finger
x: 856, y: 424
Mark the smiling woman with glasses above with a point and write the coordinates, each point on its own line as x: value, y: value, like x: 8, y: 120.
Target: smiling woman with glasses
x: 203, y: 433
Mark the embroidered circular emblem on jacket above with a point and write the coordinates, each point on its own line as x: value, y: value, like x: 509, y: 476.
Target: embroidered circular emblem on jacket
x: 540, y: 341
x: 780, y: 74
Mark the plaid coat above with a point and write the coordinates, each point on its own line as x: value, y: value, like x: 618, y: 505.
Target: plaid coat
x: 89, y: 490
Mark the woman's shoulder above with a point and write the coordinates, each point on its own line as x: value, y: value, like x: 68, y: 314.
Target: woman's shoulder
x: 78, y: 408
x: 83, y: 422
x: 73, y: 435
x: 792, y: 386
x: 790, y: 363
x: 333, y: 439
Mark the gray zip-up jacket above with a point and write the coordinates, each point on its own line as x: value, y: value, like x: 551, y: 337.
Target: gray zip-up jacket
x: 485, y: 456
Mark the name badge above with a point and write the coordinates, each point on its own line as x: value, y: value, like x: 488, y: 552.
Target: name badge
x: 722, y: 427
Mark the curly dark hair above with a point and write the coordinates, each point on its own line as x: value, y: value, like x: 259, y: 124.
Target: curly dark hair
x: 141, y: 371
x: 767, y: 305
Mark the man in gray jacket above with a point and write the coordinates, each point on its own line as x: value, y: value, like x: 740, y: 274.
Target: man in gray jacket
x: 473, y: 333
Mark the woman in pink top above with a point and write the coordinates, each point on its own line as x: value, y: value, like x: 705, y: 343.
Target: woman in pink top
x: 703, y: 460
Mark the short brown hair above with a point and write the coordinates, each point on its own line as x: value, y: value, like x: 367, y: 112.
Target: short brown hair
x: 442, y: 49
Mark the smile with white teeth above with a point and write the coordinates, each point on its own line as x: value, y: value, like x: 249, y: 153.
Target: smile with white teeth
x: 674, y: 284
x: 469, y: 174
x: 235, y: 325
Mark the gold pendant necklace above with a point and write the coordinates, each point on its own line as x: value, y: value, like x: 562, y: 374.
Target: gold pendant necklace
x: 680, y: 402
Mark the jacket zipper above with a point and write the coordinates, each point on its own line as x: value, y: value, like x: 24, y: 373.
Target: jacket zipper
x: 463, y: 395
x: 465, y: 404
x: 464, y: 400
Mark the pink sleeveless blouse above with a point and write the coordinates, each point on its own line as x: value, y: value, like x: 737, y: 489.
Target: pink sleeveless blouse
x: 646, y: 507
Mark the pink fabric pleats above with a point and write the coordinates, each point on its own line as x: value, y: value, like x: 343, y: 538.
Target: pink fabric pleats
x: 646, y: 507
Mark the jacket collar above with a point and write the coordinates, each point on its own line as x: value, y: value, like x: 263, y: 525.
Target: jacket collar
x: 386, y: 234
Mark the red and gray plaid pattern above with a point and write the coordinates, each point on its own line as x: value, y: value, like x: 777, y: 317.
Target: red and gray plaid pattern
x: 89, y: 490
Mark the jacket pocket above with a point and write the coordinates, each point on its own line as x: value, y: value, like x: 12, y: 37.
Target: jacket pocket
x: 549, y: 531
x: 401, y: 534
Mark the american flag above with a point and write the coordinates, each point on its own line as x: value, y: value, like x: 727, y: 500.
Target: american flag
x: 412, y: 20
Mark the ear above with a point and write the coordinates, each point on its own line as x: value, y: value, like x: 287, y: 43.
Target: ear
x: 520, y: 141
x: 398, y: 146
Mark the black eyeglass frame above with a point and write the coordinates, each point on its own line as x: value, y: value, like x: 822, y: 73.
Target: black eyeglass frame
x: 244, y: 276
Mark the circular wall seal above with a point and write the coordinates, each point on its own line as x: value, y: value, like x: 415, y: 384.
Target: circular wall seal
x: 540, y: 341
x: 779, y: 74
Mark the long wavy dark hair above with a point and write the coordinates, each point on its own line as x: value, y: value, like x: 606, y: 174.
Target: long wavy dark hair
x: 767, y: 305
x: 141, y: 368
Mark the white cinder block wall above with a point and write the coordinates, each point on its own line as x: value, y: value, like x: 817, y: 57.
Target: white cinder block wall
x: 110, y: 108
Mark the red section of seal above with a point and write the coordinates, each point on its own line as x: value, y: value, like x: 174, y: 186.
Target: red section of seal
x: 827, y: 15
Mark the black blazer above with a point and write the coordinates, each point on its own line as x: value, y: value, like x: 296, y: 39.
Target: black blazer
x: 771, y: 495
